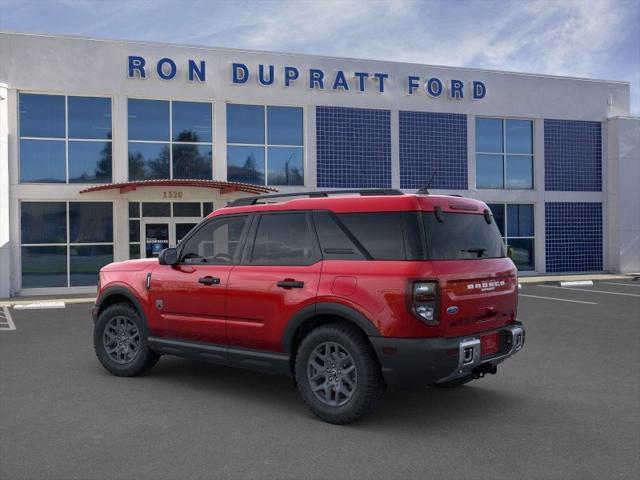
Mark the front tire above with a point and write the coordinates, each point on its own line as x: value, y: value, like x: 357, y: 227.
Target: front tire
x: 120, y: 341
x: 337, y: 374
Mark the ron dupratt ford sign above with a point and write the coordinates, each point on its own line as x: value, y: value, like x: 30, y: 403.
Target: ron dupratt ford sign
x: 314, y: 78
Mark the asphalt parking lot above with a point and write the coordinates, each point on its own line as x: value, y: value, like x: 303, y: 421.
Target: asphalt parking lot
x: 566, y: 407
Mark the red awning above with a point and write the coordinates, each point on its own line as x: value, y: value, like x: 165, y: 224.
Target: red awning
x: 224, y: 187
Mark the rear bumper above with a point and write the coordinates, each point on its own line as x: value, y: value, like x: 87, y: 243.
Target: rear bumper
x: 409, y: 362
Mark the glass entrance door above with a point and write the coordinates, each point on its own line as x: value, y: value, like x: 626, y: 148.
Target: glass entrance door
x: 181, y: 229
x: 156, y: 238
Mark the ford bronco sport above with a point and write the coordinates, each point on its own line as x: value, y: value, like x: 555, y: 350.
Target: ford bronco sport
x: 347, y: 292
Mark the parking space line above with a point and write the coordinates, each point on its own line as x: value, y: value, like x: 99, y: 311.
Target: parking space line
x: 621, y: 284
x: 558, y: 299
x: 6, y: 322
x: 590, y: 290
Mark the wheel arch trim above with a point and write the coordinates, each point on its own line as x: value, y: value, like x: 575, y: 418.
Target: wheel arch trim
x: 321, y: 309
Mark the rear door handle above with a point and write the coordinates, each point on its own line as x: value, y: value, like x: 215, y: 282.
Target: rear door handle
x: 209, y: 280
x: 290, y: 283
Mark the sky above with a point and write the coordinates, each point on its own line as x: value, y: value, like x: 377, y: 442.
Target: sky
x: 579, y: 38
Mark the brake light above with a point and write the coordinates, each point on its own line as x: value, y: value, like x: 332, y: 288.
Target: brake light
x: 424, y: 297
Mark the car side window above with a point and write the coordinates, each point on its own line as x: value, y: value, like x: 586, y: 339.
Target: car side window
x: 283, y: 239
x: 216, y: 243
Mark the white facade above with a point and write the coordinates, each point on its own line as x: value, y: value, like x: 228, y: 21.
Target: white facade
x: 83, y: 67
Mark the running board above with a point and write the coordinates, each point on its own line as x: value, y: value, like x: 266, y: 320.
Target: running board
x: 269, y: 362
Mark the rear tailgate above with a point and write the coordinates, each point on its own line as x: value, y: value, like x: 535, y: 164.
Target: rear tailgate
x: 476, y: 295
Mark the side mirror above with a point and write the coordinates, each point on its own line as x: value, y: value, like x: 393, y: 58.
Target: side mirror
x: 169, y: 256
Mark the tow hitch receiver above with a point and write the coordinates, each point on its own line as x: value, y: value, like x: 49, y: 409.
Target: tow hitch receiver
x: 481, y: 370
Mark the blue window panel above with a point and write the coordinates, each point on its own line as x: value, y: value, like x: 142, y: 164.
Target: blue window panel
x: 148, y: 161
x: 519, y: 171
x: 497, y: 209
x: 43, y: 222
x: 44, y: 267
x: 284, y: 126
x: 245, y: 164
x: 433, y: 146
x: 520, y: 220
x: 89, y: 162
x: 89, y: 117
x: 353, y: 147
x: 192, y: 122
x: 192, y: 161
x: 285, y: 166
x: 41, y: 115
x: 489, y: 135
x: 519, y: 136
x: 573, y: 236
x: 572, y: 155
x: 42, y: 161
x: 245, y: 124
x: 489, y: 171
x: 148, y: 119
x: 90, y: 222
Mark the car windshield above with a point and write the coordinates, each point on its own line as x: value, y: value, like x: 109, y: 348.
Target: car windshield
x: 462, y: 236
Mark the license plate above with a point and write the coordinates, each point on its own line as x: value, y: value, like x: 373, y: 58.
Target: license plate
x: 489, y: 344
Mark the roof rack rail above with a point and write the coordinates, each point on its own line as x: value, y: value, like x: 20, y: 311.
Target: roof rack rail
x: 241, y: 202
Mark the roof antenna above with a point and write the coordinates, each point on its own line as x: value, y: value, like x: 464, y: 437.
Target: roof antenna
x: 425, y: 190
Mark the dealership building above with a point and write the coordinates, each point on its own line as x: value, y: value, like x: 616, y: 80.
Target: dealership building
x: 111, y: 150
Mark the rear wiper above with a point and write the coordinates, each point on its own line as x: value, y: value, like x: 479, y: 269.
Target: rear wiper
x: 478, y: 250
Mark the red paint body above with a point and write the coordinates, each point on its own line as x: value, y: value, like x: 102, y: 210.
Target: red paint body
x: 248, y: 310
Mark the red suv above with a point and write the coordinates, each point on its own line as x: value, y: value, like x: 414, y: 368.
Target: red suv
x: 348, y: 292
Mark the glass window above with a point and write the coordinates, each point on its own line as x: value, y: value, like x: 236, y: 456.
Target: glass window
x: 497, y: 209
x: 86, y: 262
x: 191, y: 122
x: 134, y: 210
x: 334, y: 241
x: 245, y: 124
x: 519, y: 136
x: 90, y: 222
x: 216, y: 243
x: 42, y: 115
x: 89, y: 117
x: 504, y: 153
x: 42, y: 161
x: 148, y: 161
x: 516, y: 225
x: 489, y: 135
x: 285, y: 166
x: 462, y: 236
x: 89, y: 162
x: 134, y: 251
x: 281, y: 156
x: 207, y: 208
x: 156, y: 209
x: 519, y: 172
x: 245, y: 164
x: 379, y: 233
x: 489, y: 171
x: 284, y: 126
x: 186, y: 209
x: 192, y: 161
x: 44, y: 267
x: 134, y: 230
x: 283, y: 239
x: 43, y: 222
x: 148, y: 119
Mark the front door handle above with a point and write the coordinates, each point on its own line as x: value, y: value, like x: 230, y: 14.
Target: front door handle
x: 209, y: 280
x: 290, y: 283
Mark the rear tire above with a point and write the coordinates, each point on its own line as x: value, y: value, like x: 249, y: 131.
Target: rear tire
x: 120, y: 341
x: 337, y: 374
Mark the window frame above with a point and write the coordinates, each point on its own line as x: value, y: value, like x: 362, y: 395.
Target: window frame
x: 504, y: 154
x: 506, y: 237
x: 208, y: 221
x: 67, y: 244
x: 266, y: 145
x: 66, y: 138
x: 170, y: 142
x: 249, y: 245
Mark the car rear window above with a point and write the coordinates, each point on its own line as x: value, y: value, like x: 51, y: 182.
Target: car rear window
x: 462, y: 236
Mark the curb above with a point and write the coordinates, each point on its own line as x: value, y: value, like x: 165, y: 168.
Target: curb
x: 67, y: 301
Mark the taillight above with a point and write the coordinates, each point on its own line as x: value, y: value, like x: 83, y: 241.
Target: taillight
x: 424, y: 297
